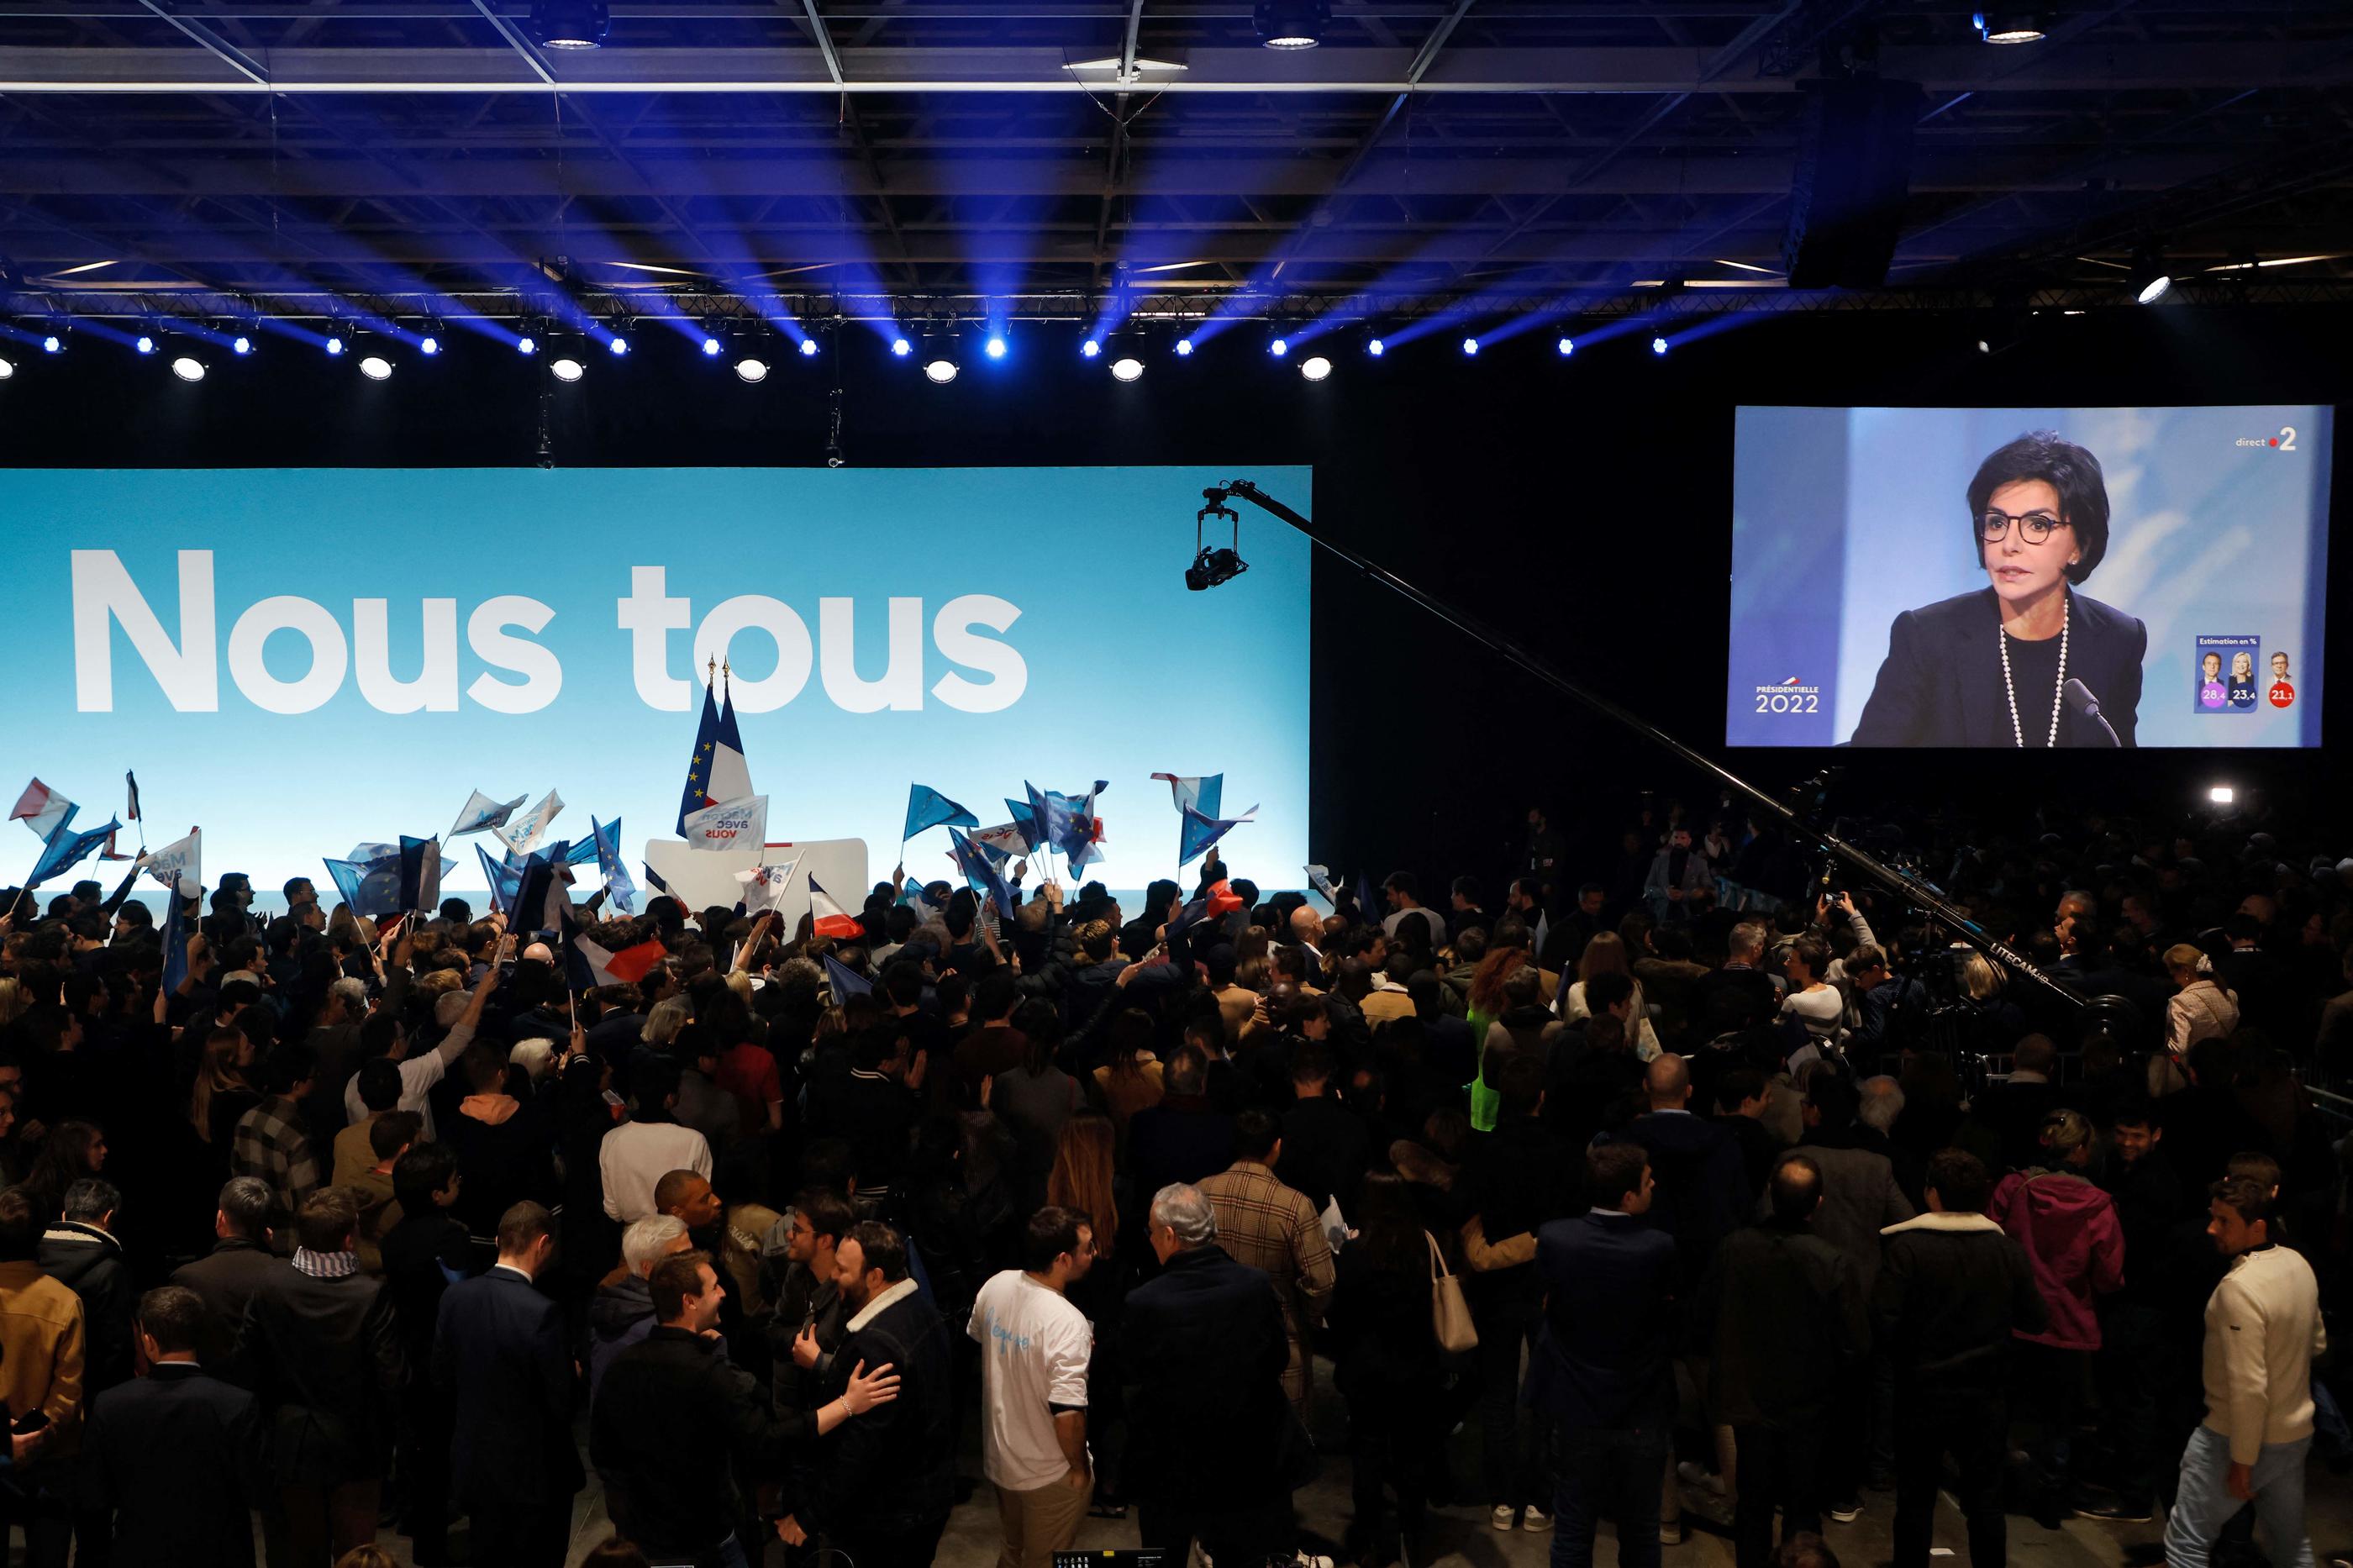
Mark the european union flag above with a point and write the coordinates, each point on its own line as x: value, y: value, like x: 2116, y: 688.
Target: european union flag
x: 980, y: 873
x: 65, y: 848
x: 696, y: 795
x: 927, y: 807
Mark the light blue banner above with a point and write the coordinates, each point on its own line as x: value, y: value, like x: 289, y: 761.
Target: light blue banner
x: 299, y: 659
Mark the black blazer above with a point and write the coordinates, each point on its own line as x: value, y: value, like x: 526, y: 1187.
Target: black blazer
x: 324, y: 1357
x: 499, y: 1357
x: 177, y: 1457
x: 1205, y: 1341
x: 1940, y: 684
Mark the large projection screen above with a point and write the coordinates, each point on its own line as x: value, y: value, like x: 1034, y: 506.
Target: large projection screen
x: 1863, y: 613
x: 299, y: 660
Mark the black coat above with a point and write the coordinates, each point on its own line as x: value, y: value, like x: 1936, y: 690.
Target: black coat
x: 1792, y: 1330
x: 1606, y: 1357
x: 177, y: 1457
x: 499, y: 1356
x: 324, y: 1357
x: 89, y: 1262
x: 674, y: 1420
x: 1951, y: 1291
x: 225, y: 1278
x: 893, y: 1467
x: 1703, y: 1187
x: 1325, y: 1152
x: 1206, y: 1342
x: 1941, y: 682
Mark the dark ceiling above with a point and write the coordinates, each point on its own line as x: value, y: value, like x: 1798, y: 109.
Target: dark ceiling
x: 878, y: 156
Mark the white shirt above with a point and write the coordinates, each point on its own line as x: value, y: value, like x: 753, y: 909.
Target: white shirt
x: 418, y: 1077
x: 635, y: 1157
x: 1036, y: 1346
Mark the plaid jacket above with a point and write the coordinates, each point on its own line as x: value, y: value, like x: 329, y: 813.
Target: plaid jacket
x: 268, y: 1142
x: 1273, y: 1228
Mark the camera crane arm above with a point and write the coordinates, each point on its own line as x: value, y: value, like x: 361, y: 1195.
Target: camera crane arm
x: 1875, y: 870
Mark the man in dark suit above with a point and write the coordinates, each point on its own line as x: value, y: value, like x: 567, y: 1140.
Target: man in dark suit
x: 499, y: 1356
x: 1603, y: 1370
x: 1702, y: 1192
x: 1205, y: 1343
x: 1325, y: 1148
x: 882, y: 1489
x: 319, y: 1347
x: 225, y: 1278
x: 176, y: 1457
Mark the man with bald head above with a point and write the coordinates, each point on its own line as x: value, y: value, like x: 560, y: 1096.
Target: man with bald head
x: 1780, y: 1352
x: 1701, y: 1180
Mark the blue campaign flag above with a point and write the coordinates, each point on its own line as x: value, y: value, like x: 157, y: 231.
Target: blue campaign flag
x: 927, y: 807
x: 1199, y: 833
x: 420, y: 873
x: 610, y: 866
x: 66, y: 849
x: 504, y: 881
x: 371, y: 890
x: 845, y: 981
x: 1025, y: 822
x: 695, y: 796
x: 1049, y: 817
x: 540, y: 898
x: 576, y: 852
x: 1079, y: 829
x: 980, y: 873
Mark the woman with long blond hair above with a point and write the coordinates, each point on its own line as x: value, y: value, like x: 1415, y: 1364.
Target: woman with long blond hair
x: 1083, y: 1178
x: 224, y: 1090
x: 1607, y: 954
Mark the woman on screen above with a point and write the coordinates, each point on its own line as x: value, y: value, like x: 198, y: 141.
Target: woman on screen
x: 1991, y: 668
x: 2242, y: 679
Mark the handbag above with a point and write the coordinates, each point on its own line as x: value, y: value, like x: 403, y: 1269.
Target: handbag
x: 1449, y: 1315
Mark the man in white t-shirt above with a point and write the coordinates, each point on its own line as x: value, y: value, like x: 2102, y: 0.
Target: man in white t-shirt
x: 1034, y: 1351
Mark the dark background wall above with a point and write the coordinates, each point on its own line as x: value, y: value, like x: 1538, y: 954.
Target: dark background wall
x: 1583, y: 504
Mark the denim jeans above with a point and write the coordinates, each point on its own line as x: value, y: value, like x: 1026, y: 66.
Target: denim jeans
x: 1510, y: 1451
x: 1614, y: 1473
x: 2204, y: 1503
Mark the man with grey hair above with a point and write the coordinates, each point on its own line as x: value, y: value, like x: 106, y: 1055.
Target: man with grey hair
x: 1741, y: 994
x: 622, y: 1312
x: 1883, y: 1102
x: 1206, y: 1342
x: 225, y: 1278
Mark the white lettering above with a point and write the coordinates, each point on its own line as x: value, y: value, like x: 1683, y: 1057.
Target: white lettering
x: 287, y: 613
x: 542, y: 675
x: 649, y: 616
x: 901, y: 686
x: 757, y: 612
x: 435, y: 690
x: 952, y: 632
x: 104, y: 593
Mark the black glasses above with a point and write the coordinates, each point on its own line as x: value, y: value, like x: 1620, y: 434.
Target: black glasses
x: 2034, y: 527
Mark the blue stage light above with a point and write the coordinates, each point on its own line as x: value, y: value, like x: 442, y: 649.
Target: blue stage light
x: 1089, y: 348
x: 526, y: 346
x: 53, y: 345
x: 1183, y: 348
x: 995, y: 347
x: 1470, y: 345
x: 428, y: 345
x: 335, y: 346
x: 1658, y: 345
x: 711, y: 346
x: 808, y: 347
x: 1566, y: 347
x: 1279, y: 347
x: 145, y: 345
x: 619, y: 345
x: 240, y: 344
x: 1377, y: 348
x: 900, y: 348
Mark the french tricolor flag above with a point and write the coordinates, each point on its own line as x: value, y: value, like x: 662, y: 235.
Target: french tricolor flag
x: 829, y: 918
x: 42, y: 809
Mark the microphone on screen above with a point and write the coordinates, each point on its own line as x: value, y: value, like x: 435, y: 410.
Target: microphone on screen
x: 2081, y: 700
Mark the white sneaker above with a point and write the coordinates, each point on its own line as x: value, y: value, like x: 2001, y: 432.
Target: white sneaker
x: 1500, y: 1516
x: 1535, y: 1521
x: 1671, y: 1534
x: 1694, y: 1474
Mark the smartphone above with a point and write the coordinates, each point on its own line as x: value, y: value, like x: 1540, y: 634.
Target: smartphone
x: 32, y: 1421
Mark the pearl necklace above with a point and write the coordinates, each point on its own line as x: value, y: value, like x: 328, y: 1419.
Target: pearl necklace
x: 2058, y: 687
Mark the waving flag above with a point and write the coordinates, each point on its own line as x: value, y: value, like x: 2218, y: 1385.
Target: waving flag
x: 1202, y: 794
x: 832, y: 919
x: 845, y: 981
x: 730, y: 825
x: 67, y: 848
x: 482, y: 813
x: 927, y: 807
x: 1083, y: 829
x: 504, y: 880
x: 763, y: 886
x: 181, y: 862
x: 522, y: 834
x: 1024, y: 825
x: 541, y: 903
x: 611, y: 867
x: 980, y: 872
x: 1002, y: 844
x: 1199, y: 832
x: 589, y: 963
x: 371, y: 888
x: 175, y: 943
x: 420, y: 873
x: 1049, y: 817
x: 131, y: 786
x: 43, y: 810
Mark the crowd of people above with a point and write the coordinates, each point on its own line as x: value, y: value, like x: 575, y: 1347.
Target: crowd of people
x: 1662, y: 1186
